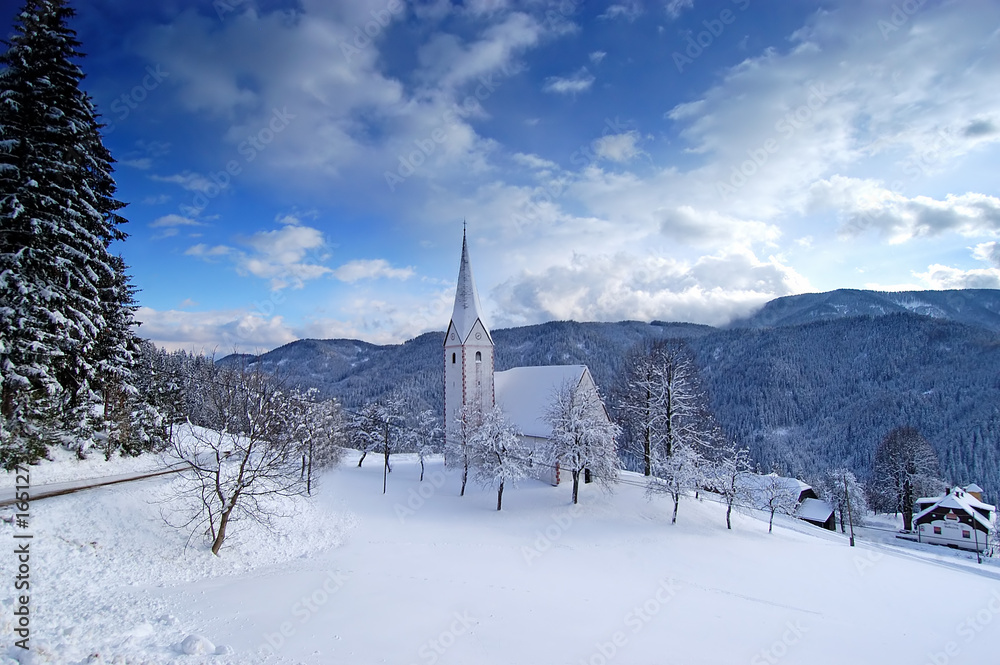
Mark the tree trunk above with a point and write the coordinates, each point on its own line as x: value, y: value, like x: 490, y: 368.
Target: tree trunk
x: 421, y: 468
x: 363, y: 454
x: 770, y: 524
x: 220, y: 535
x: 465, y: 477
x: 309, y: 471
x: 677, y: 500
x: 729, y: 511
x: 576, y: 484
x: 500, y: 495
x: 843, y: 524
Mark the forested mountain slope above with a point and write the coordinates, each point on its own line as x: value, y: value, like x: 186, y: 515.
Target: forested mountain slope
x: 804, y: 397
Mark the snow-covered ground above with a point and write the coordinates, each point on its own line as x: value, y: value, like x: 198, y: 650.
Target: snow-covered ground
x: 421, y: 575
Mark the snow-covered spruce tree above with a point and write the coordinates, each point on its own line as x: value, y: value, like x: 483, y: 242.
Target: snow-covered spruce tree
x: 59, y: 284
x: 677, y: 474
x: 582, y: 436
x: 839, y: 487
x: 727, y: 477
x: 497, y: 454
x: 241, y: 469
x: 905, y: 468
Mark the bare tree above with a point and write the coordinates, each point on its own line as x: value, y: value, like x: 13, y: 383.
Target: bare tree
x: 776, y: 495
x: 252, y: 457
x: 840, y: 488
x: 324, y: 433
x: 664, y: 405
x: 426, y: 437
x: 366, y: 429
x: 905, y: 467
x: 677, y: 474
x: 583, y: 438
x: 497, y: 454
x: 728, y: 475
x: 458, y: 451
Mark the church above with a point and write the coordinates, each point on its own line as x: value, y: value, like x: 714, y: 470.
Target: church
x: 523, y: 393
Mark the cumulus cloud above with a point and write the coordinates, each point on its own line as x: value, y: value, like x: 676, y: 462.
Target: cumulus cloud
x: 597, y: 56
x: 354, y: 271
x: 713, y: 289
x: 173, y: 220
x: 629, y: 11
x: 579, y: 81
x: 192, y: 182
x: 864, y: 204
x: 221, y: 331
x: 618, y: 147
x: 988, y: 252
x: 939, y: 276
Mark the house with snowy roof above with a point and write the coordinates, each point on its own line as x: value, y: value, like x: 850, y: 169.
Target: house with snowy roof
x: 809, y: 507
x: 958, y: 518
x: 524, y: 393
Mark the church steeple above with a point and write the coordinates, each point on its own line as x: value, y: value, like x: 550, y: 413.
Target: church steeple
x: 467, y: 308
x: 468, y: 352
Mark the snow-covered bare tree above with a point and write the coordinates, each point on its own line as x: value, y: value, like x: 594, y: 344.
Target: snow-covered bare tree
x: 65, y: 303
x: 497, y: 455
x: 839, y: 487
x: 427, y: 437
x: 775, y: 495
x: 727, y: 476
x: 677, y: 474
x: 664, y: 405
x: 366, y: 429
x: 905, y: 468
x: 583, y: 438
x: 238, y: 469
x: 323, y: 433
x: 458, y: 450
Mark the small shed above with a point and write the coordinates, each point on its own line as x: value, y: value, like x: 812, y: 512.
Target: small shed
x: 818, y: 512
x: 957, y: 519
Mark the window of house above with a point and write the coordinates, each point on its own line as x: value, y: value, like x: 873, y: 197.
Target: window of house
x: 479, y: 356
x: 937, y: 531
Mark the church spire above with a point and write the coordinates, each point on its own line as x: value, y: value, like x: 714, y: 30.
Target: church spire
x: 467, y: 308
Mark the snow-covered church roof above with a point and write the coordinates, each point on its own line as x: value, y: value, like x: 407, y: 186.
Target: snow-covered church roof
x: 467, y: 308
x: 524, y: 393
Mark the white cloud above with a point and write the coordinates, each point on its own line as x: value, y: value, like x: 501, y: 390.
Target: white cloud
x: 676, y: 7
x: 173, y: 220
x: 988, y: 252
x: 141, y: 163
x: 618, y: 147
x: 201, y: 250
x: 354, y: 271
x: 713, y: 289
x: 569, y: 85
x: 939, y: 276
x: 192, y: 182
x: 597, y: 56
x: 629, y: 10
x: 221, y: 332
x: 864, y: 204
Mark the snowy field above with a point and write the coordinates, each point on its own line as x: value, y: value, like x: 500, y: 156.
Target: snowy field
x: 421, y: 575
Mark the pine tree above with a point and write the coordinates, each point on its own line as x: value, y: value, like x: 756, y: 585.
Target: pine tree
x: 65, y: 301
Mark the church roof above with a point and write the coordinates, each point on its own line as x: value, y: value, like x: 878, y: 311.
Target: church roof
x: 467, y: 308
x: 524, y: 393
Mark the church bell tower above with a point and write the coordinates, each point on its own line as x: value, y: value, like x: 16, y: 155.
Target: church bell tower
x: 468, y: 353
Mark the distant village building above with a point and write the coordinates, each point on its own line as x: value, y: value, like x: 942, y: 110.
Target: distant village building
x: 958, y: 518
x: 810, y: 508
x: 524, y: 393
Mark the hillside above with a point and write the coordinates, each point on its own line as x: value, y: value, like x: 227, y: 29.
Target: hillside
x: 976, y: 307
x: 421, y: 575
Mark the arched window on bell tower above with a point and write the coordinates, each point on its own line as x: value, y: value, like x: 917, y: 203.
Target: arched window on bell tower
x: 479, y: 356
x: 453, y: 359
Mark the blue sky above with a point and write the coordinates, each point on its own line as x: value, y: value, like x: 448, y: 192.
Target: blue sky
x: 302, y: 168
